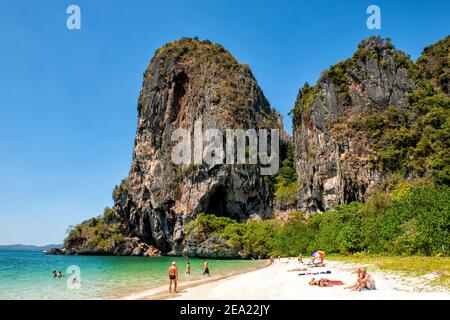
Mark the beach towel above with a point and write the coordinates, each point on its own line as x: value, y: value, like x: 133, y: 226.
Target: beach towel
x: 314, y: 273
x: 298, y: 269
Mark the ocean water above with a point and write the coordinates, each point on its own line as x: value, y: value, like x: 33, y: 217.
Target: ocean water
x: 28, y: 275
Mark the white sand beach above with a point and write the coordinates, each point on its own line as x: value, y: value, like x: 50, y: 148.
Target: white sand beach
x: 275, y: 282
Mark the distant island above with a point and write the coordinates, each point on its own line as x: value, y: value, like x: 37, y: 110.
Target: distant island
x: 24, y: 247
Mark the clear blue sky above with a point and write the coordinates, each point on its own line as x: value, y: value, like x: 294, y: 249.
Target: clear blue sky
x: 68, y: 98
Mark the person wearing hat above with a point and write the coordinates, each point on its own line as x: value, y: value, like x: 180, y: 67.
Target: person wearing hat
x: 173, y: 276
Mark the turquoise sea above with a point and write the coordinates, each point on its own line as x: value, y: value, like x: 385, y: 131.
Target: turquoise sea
x: 28, y: 275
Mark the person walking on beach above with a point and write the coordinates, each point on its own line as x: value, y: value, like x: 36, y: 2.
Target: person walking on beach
x: 188, y: 268
x: 173, y: 276
x: 206, y: 268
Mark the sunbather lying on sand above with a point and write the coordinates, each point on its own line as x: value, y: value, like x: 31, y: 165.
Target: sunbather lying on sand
x: 323, y: 282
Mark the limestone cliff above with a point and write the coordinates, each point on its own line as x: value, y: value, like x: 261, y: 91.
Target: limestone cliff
x: 188, y: 81
x: 365, y: 121
x: 370, y: 121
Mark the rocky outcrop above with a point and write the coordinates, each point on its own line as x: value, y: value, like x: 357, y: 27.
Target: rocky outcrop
x: 212, y: 247
x: 125, y: 247
x: 188, y: 81
x: 336, y: 163
x: 434, y: 65
x: 55, y: 251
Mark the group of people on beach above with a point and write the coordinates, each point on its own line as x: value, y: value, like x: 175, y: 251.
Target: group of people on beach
x: 173, y: 273
x: 363, y: 281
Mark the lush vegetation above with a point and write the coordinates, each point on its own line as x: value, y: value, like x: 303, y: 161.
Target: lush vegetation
x: 433, y: 64
x: 120, y: 190
x: 415, y: 141
x: 413, y: 219
x: 286, y: 181
x: 304, y: 101
x: 100, y: 234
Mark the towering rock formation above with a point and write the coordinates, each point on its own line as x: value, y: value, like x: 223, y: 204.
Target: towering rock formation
x: 372, y: 117
x: 368, y: 117
x: 335, y: 163
x: 189, y: 80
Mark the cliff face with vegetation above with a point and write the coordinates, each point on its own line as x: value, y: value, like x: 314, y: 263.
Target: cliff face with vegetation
x: 370, y: 120
x: 375, y: 129
x: 186, y: 81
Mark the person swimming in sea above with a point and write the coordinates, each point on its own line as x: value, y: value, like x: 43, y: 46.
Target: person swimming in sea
x: 55, y: 274
x: 173, y: 276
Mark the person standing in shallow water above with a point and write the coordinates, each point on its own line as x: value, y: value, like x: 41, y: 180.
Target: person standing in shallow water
x: 173, y: 277
x: 206, y: 268
x: 188, y: 268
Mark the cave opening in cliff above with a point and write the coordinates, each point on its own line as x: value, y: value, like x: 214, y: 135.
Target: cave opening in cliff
x: 217, y: 202
x: 179, y: 90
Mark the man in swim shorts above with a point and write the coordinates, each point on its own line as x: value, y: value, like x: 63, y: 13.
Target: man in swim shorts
x: 173, y: 276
